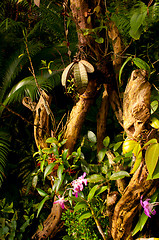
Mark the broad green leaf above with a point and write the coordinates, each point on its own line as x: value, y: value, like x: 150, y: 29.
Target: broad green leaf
x: 117, y: 145
x: 100, y: 190
x: 151, y: 141
x: 141, y: 64
x: 52, y: 140
x: 41, y: 204
x: 155, y: 174
x: 92, y: 192
x: 128, y: 145
x: 122, y: 67
x: 64, y: 154
x: 47, y: 150
x: 137, y: 153
x: 92, y: 137
x: 154, y: 106
x: 119, y: 175
x: 55, y: 150
x: 151, y: 157
x: 41, y: 192
x: 140, y: 224
x: 85, y: 216
x: 143, y: 218
x: 101, y: 154
x: 48, y: 169
x: 95, y: 178
x: 106, y: 141
x: 154, y: 123
x: 80, y: 205
x: 60, y: 171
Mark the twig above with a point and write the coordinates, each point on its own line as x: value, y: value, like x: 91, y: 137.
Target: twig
x: 46, y: 104
x: 17, y: 114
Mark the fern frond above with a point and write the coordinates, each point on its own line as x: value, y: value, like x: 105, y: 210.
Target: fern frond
x: 4, y: 150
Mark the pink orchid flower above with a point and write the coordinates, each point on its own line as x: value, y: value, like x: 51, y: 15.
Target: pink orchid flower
x: 61, y: 201
x: 78, y: 184
x: 148, y: 207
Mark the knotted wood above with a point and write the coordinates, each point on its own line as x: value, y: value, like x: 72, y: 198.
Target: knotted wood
x: 136, y: 111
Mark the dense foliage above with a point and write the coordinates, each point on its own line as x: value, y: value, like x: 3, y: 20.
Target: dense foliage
x: 46, y: 38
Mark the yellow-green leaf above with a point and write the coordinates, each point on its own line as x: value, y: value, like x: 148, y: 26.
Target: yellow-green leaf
x: 128, y: 145
x: 137, y: 153
x: 154, y: 123
x: 151, y: 157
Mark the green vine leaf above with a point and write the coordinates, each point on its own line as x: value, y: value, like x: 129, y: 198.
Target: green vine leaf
x: 85, y: 216
x: 119, y: 175
x: 151, y: 157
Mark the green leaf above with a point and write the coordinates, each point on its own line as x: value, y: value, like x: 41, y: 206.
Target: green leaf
x: 47, y: 150
x: 154, y: 123
x: 154, y: 106
x: 64, y: 154
x: 143, y: 218
x: 102, y: 189
x: 95, y: 178
x: 151, y: 141
x: 41, y: 192
x: 41, y: 204
x: 92, y: 137
x: 141, y: 64
x: 55, y: 150
x: 48, y: 169
x: 42, y: 165
x: 80, y: 205
x: 101, y: 154
x: 119, y: 175
x: 155, y: 174
x: 52, y: 140
x: 140, y: 224
x: 137, y: 153
x: 122, y: 67
x: 117, y: 145
x: 85, y: 216
x: 137, y: 21
x: 92, y: 192
x: 99, y: 40
x: 60, y: 171
x: 151, y: 157
x: 106, y: 141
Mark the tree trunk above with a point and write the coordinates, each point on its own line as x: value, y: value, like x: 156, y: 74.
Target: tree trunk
x: 136, y: 111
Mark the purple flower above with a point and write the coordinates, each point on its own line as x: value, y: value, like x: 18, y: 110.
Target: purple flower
x: 148, y: 207
x: 61, y: 201
x: 78, y: 184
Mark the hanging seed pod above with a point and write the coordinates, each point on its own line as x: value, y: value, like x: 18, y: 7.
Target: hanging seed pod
x: 81, y: 77
x: 88, y: 66
x: 66, y: 73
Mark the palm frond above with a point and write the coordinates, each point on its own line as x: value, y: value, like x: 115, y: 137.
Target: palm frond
x: 4, y: 150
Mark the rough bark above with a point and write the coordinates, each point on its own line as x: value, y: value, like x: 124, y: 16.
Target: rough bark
x: 117, y: 44
x: 41, y: 118
x: 102, y: 119
x: 136, y: 103
x: 50, y: 224
x: 128, y: 205
x: 136, y: 108
x: 78, y: 114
